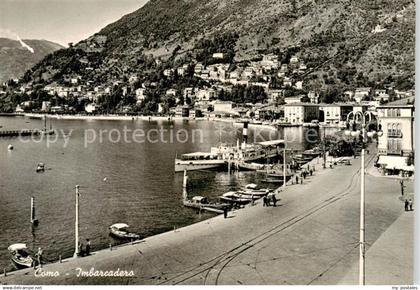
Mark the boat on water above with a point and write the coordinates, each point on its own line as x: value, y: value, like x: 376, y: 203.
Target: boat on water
x: 253, y: 189
x: 120, y: 230
x: 40, y: 167
x: 202, y: 203
x: 250, y: 166
x: 198, y: 161
x: 302, y: 159
x: 219, y: 156
x: 20, y: 256
x: 314, y: 152
x: 272, y: 180
x: 233, y: 197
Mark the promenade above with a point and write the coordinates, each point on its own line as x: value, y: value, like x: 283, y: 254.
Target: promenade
x: 311, y: 237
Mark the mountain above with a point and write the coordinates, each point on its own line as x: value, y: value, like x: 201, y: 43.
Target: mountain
x: 16, y: 59
x: 344, y: 43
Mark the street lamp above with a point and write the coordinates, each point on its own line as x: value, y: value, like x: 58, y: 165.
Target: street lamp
x: 361, y: 117
x: 76, y: 226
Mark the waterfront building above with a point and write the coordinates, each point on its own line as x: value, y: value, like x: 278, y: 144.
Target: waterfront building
x: 334, y: 113
x: 224, y: 107
x: 396, y: 144
x: 45, y: 107
x: 182, y: 111
x: 299, y: 113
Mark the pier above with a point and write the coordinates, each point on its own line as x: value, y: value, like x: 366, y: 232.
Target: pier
x: 310, y: 238
x: 21, y: 133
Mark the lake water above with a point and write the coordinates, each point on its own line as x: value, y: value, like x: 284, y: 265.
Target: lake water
x: 141, y: 188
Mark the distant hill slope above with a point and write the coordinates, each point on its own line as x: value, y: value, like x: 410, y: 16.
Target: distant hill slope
x: 336, y: 38
x: 15, y: 59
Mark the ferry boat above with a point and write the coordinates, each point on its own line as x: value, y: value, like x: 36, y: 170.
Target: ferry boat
x: 224, y: 154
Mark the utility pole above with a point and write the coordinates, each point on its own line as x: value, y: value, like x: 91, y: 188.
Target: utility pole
x: 76, y: 226
x: 362, y: 223
x: 284, y: 167
x: 324, y: 155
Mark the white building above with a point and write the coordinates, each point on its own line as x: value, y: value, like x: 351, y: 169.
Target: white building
x: 205, y: 95
x: 218, y: 55
x: 91, y: 108
x: 361, y: 93
x: 396, y: 144
x: 223, y: 107
x: 299, y: 113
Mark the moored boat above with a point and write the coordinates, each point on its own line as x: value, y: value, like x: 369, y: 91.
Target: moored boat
x: 198, y: 161
x: 40, y: 167
x: 20, y: 256
x: 120, y: 230
x: 202, y: 203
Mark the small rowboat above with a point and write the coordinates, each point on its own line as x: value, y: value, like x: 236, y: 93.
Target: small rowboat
x: 120, y: 230
x: 40, y: 167
x: 20, y: 256
x: 234, y: 198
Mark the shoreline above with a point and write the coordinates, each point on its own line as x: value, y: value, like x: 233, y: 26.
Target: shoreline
x: 144, y: 118
x: 183, y: 255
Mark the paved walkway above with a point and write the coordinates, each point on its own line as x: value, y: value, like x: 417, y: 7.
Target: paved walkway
x: 311, y: 237
x: 391, y: 256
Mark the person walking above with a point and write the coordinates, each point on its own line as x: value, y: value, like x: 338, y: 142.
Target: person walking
x: 274, y: 199
x: 264, y: 200
x: 225, y: 212
x: 310, y: 172
x: 410, y: 204
x: 268, y: 201
x: 39, y: 256
x: 297, y: 179
x: 406, y: 203
x: 87, y: 247
x: 402, y: 187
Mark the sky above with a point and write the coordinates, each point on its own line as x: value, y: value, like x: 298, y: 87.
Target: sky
x: 60, y: 21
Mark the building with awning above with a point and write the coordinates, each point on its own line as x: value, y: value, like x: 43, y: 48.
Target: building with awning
x: 399, y: 163
x: 396, y: 140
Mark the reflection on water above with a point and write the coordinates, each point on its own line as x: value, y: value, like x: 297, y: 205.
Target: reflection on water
x: 125, y: 182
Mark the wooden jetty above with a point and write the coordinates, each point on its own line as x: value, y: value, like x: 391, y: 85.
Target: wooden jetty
x: 20, y: 133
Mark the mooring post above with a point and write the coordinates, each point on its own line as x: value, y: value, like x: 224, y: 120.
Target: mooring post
x: 4, y: 272
x: 59, y: 259
x: 110, y: 246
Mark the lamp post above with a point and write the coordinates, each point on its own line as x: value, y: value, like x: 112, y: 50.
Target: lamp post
x: 362, y: 117
x: 76, y: 226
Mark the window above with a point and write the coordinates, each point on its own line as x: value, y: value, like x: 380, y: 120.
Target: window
x: 394, y: 146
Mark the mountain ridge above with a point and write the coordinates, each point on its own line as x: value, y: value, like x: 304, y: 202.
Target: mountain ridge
x: 15, y: 59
